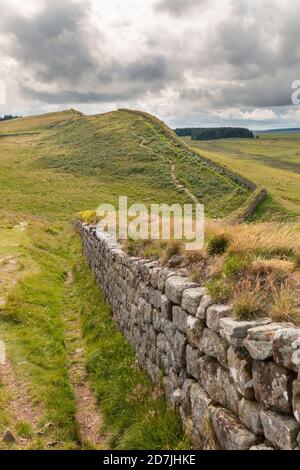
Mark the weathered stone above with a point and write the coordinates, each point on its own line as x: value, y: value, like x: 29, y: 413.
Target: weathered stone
x: 8, y: 437
x: 158, y: 320
x: 179, y: 350
x: 175, y: 286
x: 232, y: 396
x: 154, y: 298
x: 266, y: 332
x: 192, y: 361
x: 263, y: 446
x: 210, y: 369
x: 142, y: 310
x: 166, y: 307
x: 259, y: 350
x: 169, y: 329
x: 191, y: 431
x: 191, y: 299
x: 179, y: 318
x: 231, y: 434
x: 186, y: 396
x: 286, y: 348
x: 249, y: 413
x: 200, y: 402
x: 204, y: 304
x: 162, y: 276
x: 273, y: 385
x: 194, y: 331
x: 235, y: 331
x: 280, y: 430
x: 173, y: 396
x: 161, y: 342
x: 213, y: 315
x: 296, y: 399
x: 153, y: 371
x: 240, y: 369
x: 213, y: 345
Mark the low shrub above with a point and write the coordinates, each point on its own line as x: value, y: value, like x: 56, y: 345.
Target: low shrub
x: 218, y: 244
x: 283, y: 306
x: 219, y: 288
x: 249, y: 303
x: 235, y: 263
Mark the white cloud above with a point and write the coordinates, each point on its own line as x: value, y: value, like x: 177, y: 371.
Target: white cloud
x: 236, y: 114
x: 208, y: 60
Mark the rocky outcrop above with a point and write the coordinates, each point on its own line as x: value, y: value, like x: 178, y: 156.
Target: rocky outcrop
x: 234, y: 383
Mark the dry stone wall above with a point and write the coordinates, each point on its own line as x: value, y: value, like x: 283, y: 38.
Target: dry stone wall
x: 234, y: 383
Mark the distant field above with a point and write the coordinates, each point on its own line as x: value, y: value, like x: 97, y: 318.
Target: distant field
x: 273, y: 160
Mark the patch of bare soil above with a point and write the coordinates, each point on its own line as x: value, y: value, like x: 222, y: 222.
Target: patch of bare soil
x: 88, y: 417
x: 21, y: 407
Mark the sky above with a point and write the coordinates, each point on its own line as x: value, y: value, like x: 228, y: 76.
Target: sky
x: 190, y: 62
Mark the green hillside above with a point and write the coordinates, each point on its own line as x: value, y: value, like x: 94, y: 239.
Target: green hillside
x: 51, y: 167
x: 124, y: 147
x: 272, y: 160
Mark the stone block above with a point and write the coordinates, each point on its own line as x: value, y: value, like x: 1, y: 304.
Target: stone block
x: 175, y: 286
x: 211, y: 377
x: 173, y: 396
x: 194, y: 331
x: 249, y: 413
x: 192, y: 361
x: 153, y: 371
x: 280, y: 430
x: 191, y: 299
x: 179, y: 318
x: 200, y: 402
x: 214, y: 314
x: 235, y: 331
x: 206, y: 301
x: 273, y: 386
x: 179, y: 350
x: 166, y: 307
x: 186, y: 396
x: 286, y: 348
x: 264, y: 446
x: 231, y: 434
x: 259, y: 350
x: 296, y: 399
x: 240, y: 369
x: 215, y: 346
x: 161, y: 342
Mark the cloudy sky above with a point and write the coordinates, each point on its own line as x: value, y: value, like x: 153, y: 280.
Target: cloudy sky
x: 191, y: 62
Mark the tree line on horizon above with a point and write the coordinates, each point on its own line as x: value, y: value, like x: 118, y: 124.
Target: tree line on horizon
x: 209, y: 133
x: 8, y: 117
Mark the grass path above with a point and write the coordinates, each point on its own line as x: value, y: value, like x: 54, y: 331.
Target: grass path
x: 174, y: 177
x: 72, y: 379
x: 88, y: 416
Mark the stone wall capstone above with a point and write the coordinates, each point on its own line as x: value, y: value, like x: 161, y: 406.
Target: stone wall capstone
x: 235, y: 384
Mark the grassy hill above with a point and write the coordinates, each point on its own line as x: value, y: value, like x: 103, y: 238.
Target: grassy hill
x: 272, y: 160
x: 93, y: 159
x: 51, y: 167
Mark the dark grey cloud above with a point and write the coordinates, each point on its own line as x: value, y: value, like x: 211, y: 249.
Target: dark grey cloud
x: 189, y: 55
x: 72, y: 96
x: 67, y: 58
x: 178, y: 7
x: 54, y: 40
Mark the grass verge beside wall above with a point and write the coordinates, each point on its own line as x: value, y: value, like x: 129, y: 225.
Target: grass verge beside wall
x: 135, y: 414
x: 34, y: 328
